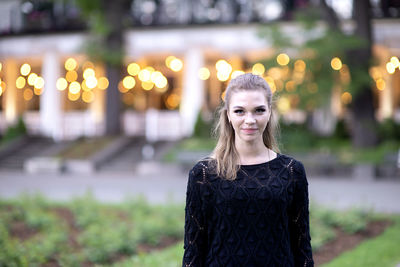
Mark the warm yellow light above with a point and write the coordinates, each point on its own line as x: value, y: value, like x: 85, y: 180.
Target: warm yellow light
x: 32, y: 78
x: 128, y: 99
x: 28, y: 94
x: 70, y: 64
x: 275, y: 73
x: 162, y: 89
x: 395, y: 61
x: 155, y: 75
x: 222, y: 76
x: 204, y: 73
x: 380, y: 84
x: 390, y: 67
x: 133, y: 69
x: 300, y: 65
x: 346, y: 98
x: 147, y: 85
x: 61, y: 84
x: 129, y: 82
x: 176, y: 64
x: 290, y: 86
x: 283, y: 104
x: 282, y: 59
x: 20, y: 82
x: 38, y: 91
x: 88, y: 73
x: 168, y: 61
x: 236, y: 73
x: 1, y: 67
x: 1, y: 90
x: 74, y: 88
x: 375, y: 73
x: 172, y: 101
x: 84, y: 86
x: 336, y: 63
x: 25, y: 69
x: 271, y: 83
x: 3, y: 85
x: 71, y: 76
x: 258, y: 69
x: 103, y: 83
x: 88, y: 64
x: 223, y: 95
x: 121, y: 88
x: 91, y: 82
x: 73, y: 97
x: 161, y: 82
x: 223, y: 67
x: 88, y: 96
x: 39, y: 83
x: 219, y: 65
x: 144, y: 75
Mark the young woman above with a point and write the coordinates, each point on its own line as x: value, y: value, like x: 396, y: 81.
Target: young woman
x: 247, y: 205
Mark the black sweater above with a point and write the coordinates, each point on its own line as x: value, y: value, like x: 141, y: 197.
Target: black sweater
x: 259, y: 219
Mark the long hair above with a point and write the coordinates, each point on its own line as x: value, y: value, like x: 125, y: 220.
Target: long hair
x: 225, y: 158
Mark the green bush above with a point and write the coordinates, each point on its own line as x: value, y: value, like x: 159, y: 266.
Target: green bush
x: 389, y: 130
x: 14, y: 131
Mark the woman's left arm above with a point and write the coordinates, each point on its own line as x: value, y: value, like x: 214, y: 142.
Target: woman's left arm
x: 299, y: 225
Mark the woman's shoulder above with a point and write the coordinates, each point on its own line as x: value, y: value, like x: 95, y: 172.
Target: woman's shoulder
x: 291, y: 162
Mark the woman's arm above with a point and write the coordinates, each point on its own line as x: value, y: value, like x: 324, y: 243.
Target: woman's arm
x: 195, y: 234
x: 299, y: 226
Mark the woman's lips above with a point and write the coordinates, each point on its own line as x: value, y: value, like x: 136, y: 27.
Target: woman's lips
x: 249, y: 130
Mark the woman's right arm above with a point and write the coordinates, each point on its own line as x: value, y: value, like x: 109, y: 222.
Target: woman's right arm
x: 195, y: 233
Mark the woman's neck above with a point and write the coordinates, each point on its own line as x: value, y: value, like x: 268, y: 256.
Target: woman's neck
x: 253, y: 152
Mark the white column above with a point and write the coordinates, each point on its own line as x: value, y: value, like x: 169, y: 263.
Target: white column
x: 192, y: 91
x: 50, y: 100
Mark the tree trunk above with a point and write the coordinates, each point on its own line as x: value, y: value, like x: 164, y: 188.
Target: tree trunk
x: 364, y: 132
x: 114, y: 11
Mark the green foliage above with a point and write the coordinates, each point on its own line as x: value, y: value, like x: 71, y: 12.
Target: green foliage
x: 380, y: 251
x: 313, y: 86
x: 14, y: 131
x: 202, y: 128
x: 389, y: 130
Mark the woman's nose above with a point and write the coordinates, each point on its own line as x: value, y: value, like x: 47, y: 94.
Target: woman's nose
x: 249, y: 119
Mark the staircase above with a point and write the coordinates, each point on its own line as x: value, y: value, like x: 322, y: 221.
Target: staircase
x: 24, y: 149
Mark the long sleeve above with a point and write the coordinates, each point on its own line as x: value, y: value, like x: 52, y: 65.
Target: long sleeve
x: 195, y: 232
x: 299, y: 226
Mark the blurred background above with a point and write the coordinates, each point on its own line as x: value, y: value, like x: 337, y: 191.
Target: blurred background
x: 119, y: 98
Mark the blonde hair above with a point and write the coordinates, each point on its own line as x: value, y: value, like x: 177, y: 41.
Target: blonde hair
x: 225, y: 157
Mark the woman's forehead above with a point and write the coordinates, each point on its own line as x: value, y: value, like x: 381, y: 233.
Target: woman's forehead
x: 254, y: 97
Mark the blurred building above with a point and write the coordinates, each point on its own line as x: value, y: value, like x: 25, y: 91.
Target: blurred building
x: 179, y: 57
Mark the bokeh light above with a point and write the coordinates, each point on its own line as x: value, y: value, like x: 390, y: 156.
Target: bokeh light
x: 74, y: 97
x: 61, y: 84
x: 346, y: 98
x: 91, y: 82
x: 283, y: 59
x: 74, y: 88
x: 299, y: 65
x: 204, y: 73
x: 133, y: 69
x: 380, y: 84
x: 25, y: 69
x: 88, y: 96
x: 39, y: 83
x: 336, y: 63
x: 176, y: 64
x: 70, y: 64
x: 236, y: 73
x: 32, y: 78
x: 147, y: 85
x: 258, y: 69
x: 89, y: 72
x: 390, y: 67
x: 129, y: 82
x: 20, y: 82
x: 103, y: 83
x: 71, y: 76
x: 172, y: 101
x: 28, y: 94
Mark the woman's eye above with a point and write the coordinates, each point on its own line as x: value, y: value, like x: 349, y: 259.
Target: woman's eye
x: 260, y: 110
x: 238, y: 111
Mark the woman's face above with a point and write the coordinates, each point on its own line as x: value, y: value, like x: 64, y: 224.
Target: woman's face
x: 249, y: 114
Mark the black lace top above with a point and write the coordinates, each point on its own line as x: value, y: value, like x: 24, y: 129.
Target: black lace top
x: 259, y: 219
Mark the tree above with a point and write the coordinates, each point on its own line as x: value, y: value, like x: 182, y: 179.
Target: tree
x: 105, y: 21
x: 335, y: 60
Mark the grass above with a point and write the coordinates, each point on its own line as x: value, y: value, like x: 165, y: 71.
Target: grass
x: 35, y: 232
x: 85, y: 148
x: 383, y: 250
